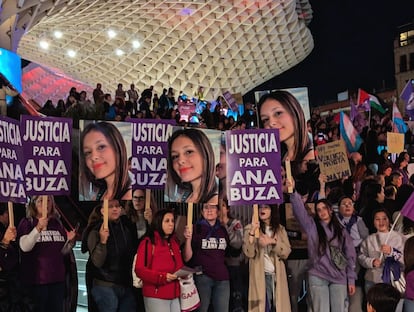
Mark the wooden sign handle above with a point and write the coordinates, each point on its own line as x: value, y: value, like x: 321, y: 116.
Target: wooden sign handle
x: 11, y: 214
x: 190, y: 216
x: 105, y: 214
x: 44, y: 206
x: 289, y: 175
x: 255, y: 219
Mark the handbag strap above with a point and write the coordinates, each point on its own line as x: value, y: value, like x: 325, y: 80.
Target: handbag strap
x: 146, y: 253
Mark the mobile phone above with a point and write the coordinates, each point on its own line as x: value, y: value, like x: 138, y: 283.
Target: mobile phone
x: 76, y: 229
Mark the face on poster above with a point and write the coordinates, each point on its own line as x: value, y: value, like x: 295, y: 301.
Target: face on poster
x: 104, y: 151
x: 191, y: 166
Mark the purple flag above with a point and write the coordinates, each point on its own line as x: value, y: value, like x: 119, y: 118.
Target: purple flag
x: 407, y: 95
x: 230, y: 101
x: 354, y: 111
x: 12, y: 187
x: 149, y: 152
x: 253, y: 167
x: 47, y: 148
x: 408, y: 209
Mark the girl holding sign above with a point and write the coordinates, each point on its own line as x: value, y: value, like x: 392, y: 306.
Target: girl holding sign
x: 281, y: 110
x: 268, y: 285
x: 42, y: 240
x: 104, y: 161
x: 191, y: 168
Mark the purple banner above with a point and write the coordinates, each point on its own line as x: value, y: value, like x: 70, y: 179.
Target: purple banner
x: 47, y: 148
x: 12, y: 187
x: 253, y: 167
x: 231, y: 101
x: 149, y: 152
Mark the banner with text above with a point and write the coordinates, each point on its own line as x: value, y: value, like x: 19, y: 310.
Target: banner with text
x: 253, y: 167
x: 333, y: 160
x: 149, y: 153
x: 12, y: 182
x: 47, y: 149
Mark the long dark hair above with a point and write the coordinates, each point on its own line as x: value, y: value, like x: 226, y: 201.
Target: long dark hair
x: 334, y: 224
x: 122, y: 182
x: 409, y: 255
x: 292, y: 105
x: 203, y: 145
x: 274, y: 219
x: 156, y: 225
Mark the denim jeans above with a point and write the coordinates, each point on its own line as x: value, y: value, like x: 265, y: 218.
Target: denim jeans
x: 326, y: 296
x: 218, y: 292
x: 270, y: 291
x: 113, y: 299
x: 408, y: 305
x: 158, y: 305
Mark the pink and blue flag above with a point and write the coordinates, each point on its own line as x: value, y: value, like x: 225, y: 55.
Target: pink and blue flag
x: 398, y: 122
x: 349, y: 134
x: 407, y: 95
x: 408, y: 209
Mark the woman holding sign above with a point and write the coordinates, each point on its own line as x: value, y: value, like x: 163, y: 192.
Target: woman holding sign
x: 104, y: 161
x: 281, y: 110
x: 42, y: 241
x: 331, y: 256
x: 111, y: 251
x: 191, y: 168
x: 205, y: 246
x: 268, y: 285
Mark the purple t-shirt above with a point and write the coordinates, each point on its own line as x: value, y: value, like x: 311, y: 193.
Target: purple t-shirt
x: 209, y: 252
x: 44, y: 264
x: 409, y: 291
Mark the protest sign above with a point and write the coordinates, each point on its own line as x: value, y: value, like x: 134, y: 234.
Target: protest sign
x: 395, y: 142
x: 47, y: 149
x: 12, y: 182
x: 253, y: 167
x: 333, y: 160
x: 149, y: 153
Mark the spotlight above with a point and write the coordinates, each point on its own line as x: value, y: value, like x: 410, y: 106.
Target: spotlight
x: 111, y: 33
x: 71, y: 53
x: 44, y: 44
x: 119, y: 52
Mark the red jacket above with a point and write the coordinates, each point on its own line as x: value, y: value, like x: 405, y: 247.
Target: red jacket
x: 161, y: 258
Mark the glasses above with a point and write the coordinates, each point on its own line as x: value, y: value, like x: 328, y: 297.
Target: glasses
x: 209, y: 207
x: 138, y: 198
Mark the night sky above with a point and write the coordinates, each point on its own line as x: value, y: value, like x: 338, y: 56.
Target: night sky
x: 353, y: 48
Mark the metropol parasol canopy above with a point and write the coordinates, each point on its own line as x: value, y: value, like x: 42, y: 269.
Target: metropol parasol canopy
x: 222, y: 45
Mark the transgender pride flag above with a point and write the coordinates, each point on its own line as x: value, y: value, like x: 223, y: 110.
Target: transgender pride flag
x: 349, y: 134
x: 398, y: 122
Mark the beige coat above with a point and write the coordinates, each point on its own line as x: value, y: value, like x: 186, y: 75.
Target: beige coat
x: 257, y: 287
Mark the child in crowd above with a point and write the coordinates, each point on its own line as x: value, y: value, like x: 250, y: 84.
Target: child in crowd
x: 382, y: 298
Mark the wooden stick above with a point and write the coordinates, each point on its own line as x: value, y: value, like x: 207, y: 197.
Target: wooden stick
x: 11, y: 214
x: 288, y: 175
x: 105, y: 214
x: 44, y: 206
x: 255, y: 219
x: 190, y: 216
x: 147, y: 199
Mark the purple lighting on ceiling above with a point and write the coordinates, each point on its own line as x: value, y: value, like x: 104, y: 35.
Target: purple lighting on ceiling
x: 186, y: 11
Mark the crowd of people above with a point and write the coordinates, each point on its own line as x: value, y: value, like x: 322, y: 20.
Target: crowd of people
x: 350, y: 257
